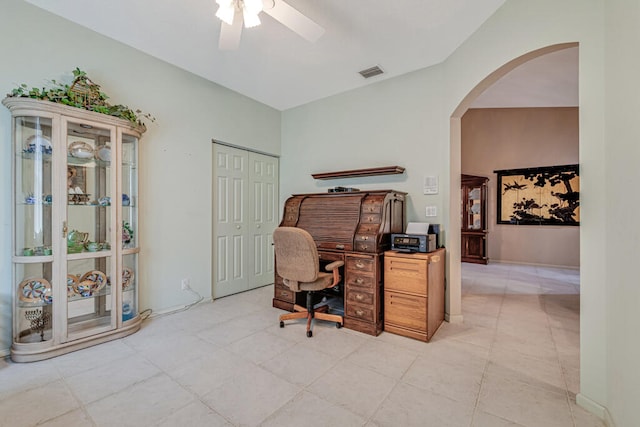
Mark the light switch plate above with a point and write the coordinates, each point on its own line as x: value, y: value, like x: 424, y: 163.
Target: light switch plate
x: 431, y: 211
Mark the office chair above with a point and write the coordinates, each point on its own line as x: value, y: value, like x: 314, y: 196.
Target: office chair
x: 297, y: 262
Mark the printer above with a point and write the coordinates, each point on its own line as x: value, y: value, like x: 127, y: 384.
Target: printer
x: 419, y: 237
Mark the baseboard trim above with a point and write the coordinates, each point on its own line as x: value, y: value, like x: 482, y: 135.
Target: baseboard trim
x: 456, y: 318
x: 177, y: 308
x: 595, y: 408
x: 533, y: 264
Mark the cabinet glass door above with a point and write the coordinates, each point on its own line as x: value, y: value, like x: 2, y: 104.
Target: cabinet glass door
x: 33, y: 273
x: 474, y: 209
x: 90, y: 225
x: 130, y: 241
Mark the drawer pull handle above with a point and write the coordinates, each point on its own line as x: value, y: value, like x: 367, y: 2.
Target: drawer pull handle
x: 359, y: 313
x: 339, y: 246
x: 359, y: 297
x: 359, y: 280
x: 359, y: 264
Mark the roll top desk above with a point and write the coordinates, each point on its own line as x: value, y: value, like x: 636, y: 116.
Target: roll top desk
x: 353, y: 227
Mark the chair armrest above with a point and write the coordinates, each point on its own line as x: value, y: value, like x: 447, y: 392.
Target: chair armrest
x: 334, y: 265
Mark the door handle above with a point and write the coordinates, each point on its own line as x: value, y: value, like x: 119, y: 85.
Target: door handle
x: 258, y: 226
x: 238, y: 227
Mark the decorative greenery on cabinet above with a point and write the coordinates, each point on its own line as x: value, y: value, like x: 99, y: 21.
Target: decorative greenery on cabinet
x: 81, y: 93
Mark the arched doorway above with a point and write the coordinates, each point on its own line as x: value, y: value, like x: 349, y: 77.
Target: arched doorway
x: 454, y: 262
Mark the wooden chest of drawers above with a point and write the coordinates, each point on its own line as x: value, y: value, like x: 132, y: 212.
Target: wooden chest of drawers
x: 363, y: 293
x: 414, y: 293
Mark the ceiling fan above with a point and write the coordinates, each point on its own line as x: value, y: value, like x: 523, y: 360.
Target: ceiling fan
x: 233, y: 12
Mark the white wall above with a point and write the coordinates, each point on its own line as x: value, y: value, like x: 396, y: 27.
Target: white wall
x: 389, y: 123
x: 405, y: 121
x: 176, y: 169
x: 622, y: 230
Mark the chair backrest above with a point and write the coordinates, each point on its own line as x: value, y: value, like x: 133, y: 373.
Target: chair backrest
x: 296, y: 254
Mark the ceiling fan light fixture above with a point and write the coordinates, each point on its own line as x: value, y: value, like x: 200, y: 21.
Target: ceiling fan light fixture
x: 226, y: 11
x: 250, y: 20
x: 254, y: 7
x: 230, y: 11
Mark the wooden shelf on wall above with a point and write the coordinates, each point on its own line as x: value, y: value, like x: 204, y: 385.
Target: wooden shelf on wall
x: 385, y: 170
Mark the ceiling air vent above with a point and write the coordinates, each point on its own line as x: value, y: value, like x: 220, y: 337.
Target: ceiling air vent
x: 370, y: 72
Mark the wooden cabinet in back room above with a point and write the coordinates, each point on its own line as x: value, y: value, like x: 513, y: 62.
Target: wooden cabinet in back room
x: 474, y: 219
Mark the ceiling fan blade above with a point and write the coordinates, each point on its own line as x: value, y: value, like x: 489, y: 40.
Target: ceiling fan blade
x: 230, y: 34
x: 294, y: 20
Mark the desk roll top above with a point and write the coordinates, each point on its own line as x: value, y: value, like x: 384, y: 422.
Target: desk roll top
x: 353, y: 227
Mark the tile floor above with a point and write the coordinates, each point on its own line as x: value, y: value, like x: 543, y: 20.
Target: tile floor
x: 513, y: 362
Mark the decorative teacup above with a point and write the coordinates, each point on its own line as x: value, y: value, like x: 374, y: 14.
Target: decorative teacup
x: 93, y: 246
x: 76, y: 236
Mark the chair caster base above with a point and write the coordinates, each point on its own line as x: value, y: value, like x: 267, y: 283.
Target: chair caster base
x: 281, y: 324
x: 309, y: 334
x: 338, y: 325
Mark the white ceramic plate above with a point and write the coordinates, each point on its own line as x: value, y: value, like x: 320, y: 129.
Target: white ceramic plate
x: 34, y: 290
x: 36, y: 143
x: 104, y: 153
x: 96, y: 276
x: 81, y: 150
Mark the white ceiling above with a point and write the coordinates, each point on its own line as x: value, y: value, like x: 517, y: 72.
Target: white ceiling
x: 275, y: 66
x: 547, y: 81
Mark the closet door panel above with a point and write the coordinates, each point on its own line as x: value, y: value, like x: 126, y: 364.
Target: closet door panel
x: 245, y: 213
x: 229, y: 221
x: 264, y: 201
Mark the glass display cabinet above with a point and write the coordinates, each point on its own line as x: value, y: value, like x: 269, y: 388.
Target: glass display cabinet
x: 474, y: 219
x: 75, y: 222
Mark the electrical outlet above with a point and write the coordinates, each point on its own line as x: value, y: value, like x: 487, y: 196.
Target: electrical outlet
x: 431, y: 211
x: 185, y: 284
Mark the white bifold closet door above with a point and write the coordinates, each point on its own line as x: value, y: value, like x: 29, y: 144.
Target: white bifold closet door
x: 245, y: 213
